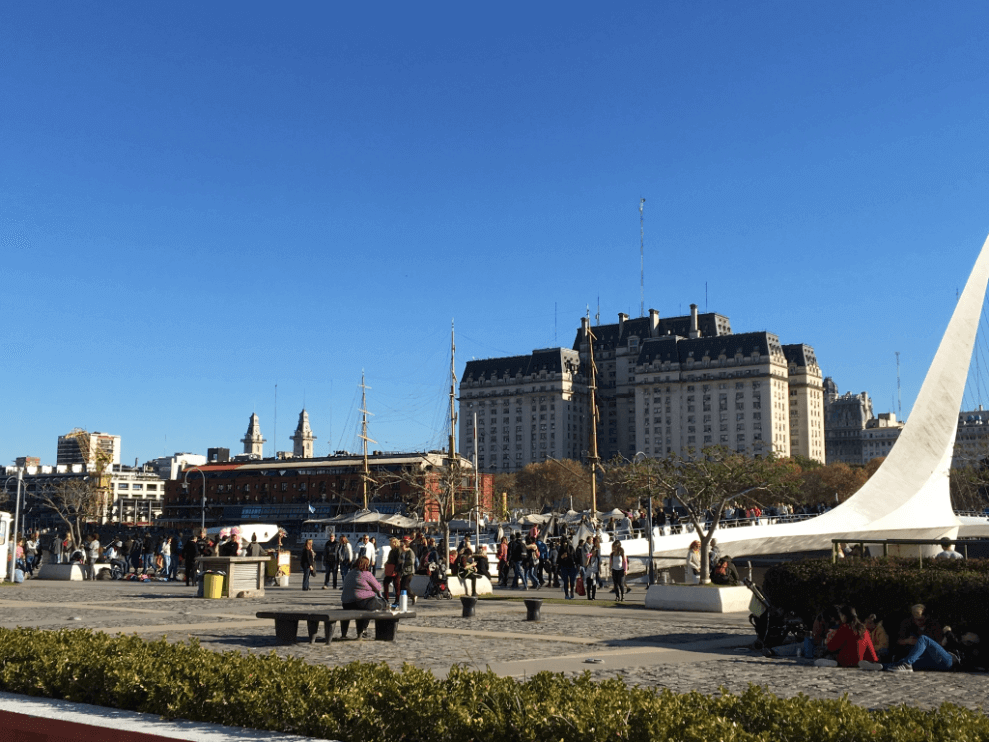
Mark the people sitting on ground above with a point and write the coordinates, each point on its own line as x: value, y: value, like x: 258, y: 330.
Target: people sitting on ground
x: 925, y: 654
x: 880, y: 639
x: 113, y: 555
x: 361, y: 592
x: 948, y: 551
x: 825, y: 623
x: 919, y: 623
x: 966, y: 646
x: 724, y: 572
x: 850, y: 642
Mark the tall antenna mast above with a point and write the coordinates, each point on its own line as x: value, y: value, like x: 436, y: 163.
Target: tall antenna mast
x: 366, y: 474
x: 642, y: 261
x: 274, y: 443
x: 899, y: 400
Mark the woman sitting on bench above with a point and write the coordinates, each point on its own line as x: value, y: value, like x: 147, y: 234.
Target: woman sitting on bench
x: 361, y: 592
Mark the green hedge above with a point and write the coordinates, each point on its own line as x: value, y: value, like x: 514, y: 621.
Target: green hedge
x: 372, y: 702
x: 956, y: 591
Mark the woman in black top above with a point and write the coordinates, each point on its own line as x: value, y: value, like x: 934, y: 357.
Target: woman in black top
x: 566, y: 559
x: 307, y: 563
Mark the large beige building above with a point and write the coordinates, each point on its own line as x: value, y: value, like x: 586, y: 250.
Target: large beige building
x: 528, y: 408
x: 663, y: 385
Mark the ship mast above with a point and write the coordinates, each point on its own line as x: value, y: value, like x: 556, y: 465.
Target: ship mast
x: 453, y: 409
x: 366, y: 473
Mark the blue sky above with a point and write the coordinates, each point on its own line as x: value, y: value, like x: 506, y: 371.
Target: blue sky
x: 201, y: 201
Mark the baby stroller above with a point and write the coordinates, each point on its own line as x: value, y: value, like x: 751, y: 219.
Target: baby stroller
x: 437, y: 587
x: 772, y: 626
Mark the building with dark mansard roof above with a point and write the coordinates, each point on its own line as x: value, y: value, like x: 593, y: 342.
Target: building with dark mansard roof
x: 664, y: 385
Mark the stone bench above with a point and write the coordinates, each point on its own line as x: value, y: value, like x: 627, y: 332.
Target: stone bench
x: 287, y: 623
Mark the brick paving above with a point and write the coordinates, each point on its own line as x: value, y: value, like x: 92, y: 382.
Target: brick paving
x: 679, y: 651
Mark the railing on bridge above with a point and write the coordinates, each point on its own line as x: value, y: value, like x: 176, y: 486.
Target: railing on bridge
x: 918, y: 542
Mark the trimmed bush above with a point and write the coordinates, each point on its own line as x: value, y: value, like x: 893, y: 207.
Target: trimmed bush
x: 956, y: 591
x: 374, y: 703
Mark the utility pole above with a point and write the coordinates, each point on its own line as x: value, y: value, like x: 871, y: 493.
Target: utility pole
x: 642, y: 261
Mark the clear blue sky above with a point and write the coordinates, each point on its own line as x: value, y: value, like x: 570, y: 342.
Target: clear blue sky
x: 199, y: 201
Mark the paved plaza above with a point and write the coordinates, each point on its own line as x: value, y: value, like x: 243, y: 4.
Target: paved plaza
x: 679, y: 651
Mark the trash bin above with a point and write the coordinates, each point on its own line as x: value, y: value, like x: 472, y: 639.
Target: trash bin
x: 271, y: 566
x: 213, y: 585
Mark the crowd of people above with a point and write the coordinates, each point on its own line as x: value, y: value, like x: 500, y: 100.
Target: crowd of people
x: 162, y: 555
x: 839, y: 638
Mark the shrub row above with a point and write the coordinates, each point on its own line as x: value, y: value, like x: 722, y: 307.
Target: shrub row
x: 957, y: 591
x: 372, y: 702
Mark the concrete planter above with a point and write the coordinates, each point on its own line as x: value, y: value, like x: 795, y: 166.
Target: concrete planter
x: 706, y: 598
x: 72, y: 572
x: 457, y: 588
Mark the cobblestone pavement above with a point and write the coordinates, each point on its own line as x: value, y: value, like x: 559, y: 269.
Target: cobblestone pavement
x: 679, y: 651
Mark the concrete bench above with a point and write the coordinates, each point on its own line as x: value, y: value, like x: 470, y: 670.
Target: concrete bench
x: 287, y: 623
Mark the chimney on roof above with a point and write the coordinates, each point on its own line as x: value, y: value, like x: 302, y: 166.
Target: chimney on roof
x: 653, y: 323
x: 585, y: 326
x: 621, y: 322
x: 694, y: 329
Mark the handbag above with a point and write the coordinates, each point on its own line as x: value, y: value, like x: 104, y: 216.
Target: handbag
x: 580, y: 585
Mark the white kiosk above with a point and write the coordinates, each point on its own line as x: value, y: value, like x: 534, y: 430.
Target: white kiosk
x: 6, y: 550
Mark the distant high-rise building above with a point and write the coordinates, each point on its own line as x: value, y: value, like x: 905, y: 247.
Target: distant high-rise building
x: 80, y: 447
x: 253, y: 440
x: 302, y: 439
x: 24, y: 461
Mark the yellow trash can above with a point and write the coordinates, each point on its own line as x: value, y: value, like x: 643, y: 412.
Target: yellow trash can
x: 213, y: 586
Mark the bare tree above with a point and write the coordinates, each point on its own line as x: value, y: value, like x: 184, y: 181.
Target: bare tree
x: 436, y: 492
x: 81, y: 499
x: 705, y: 483
x: 555, y: 483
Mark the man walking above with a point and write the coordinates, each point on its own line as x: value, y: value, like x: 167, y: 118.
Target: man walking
x: 330, y: 561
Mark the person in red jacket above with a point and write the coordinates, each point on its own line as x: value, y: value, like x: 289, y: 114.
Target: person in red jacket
x: 851, y: 641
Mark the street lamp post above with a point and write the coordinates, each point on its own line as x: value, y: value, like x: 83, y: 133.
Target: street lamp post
x: 652, y: 549
x: 202, y: 526
x: 17, y: 514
